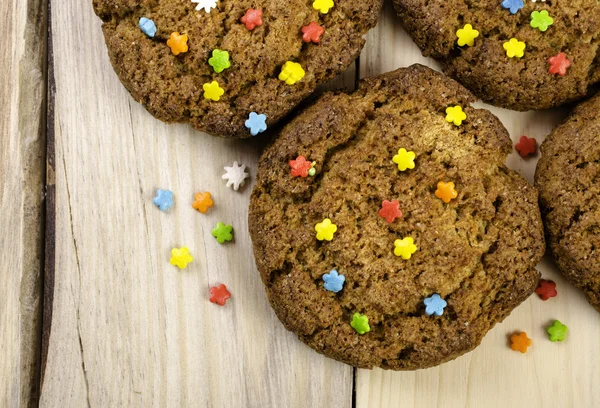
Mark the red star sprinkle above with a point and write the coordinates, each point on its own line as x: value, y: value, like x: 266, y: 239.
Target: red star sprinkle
x: 559, y: 64
x: 526, y: 146
x: 252, y: 18
x: 300, y: 166
x: 219, y: 294
x: 390, y: 210
x: 312, y: 32
x: 546, y: 289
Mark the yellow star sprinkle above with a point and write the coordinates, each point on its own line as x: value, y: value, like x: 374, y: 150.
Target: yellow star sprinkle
x: 405, y: 247
x: 323, y: 5
x: 466, y: 35
x: 213, y: 91
x: 514, y: 48
x: 455, y: 114
x: 325, y: 230
x: 181, y: 257
x: 291, y: 72
x: 404, y: 160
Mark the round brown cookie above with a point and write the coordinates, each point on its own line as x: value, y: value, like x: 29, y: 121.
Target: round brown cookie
x: 568, y: 178
x: 478, y: 252
x: 172, y: 87
x: 558, y: 65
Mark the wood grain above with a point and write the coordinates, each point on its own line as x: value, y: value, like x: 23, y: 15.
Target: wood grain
x: 22, y: 114
x: 550, y: 374
x: 127, y: 328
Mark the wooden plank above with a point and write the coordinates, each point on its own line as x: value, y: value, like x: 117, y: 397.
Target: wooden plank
x: 127, y: 328
x: 22, y: 112
x: 556, y: 375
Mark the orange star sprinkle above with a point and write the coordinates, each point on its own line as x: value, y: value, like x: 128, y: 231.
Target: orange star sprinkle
x: 202, y: 202
x: 446, y: 191
x: 178, y: 43
x: 520, y: 342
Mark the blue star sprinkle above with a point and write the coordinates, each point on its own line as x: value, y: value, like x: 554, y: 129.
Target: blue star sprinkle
x: 334, y: 282
x: 513, y: 5
x: 256, y: 123
x: 147, y: 26
x: 434, y: 305
x: 163, y: 199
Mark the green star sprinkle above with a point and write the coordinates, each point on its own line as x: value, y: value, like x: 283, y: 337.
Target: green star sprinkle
x: 219, y: 60
x: 360, y: 323
x: 557, y: 331
x: 541, y: 20
x: 223, y: 232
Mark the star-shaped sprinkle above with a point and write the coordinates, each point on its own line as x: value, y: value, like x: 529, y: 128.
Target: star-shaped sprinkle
x: 467, y: 35
x: 291, y: 72
x: 405, y: 247
x: 312, y: 32
x: 559, y: 64
x: 252, y: 19
x: 301, y: 167
x: 526, y: 146
x: 334, y: 282
x: 163, y: 199
x: 178, y: 43
x: 434, y: 305
x: 147, y: 26
x: 323, y: 5
x: 404, y: 159
x: 207, y: 5
x: 455, y: 114
x: 181, y: 257
x: 235, y: 175
x: 520, y: 342
x: 541, y: 20
x: 514, y: 48
x: 546, y: 289
x: 325, y: 230
x: 390, y: 210
x: 212, y: 91
x: 446, y: 191
x: 222, y: 232
x: 557, y: 331
x: 256, y: 123
x: 202, y: 202
x: 219, y: 294
x: 513, y: 5
x: 219, y: 60
x: 360, y: 323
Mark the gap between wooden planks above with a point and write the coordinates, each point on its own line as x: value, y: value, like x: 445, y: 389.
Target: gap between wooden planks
x: 22, y: 164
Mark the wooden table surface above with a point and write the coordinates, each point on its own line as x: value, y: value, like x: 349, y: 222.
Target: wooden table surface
x: 110, y: 323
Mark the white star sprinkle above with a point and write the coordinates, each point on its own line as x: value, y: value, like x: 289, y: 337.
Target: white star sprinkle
x: 235, y: 175
x: 207, y: 5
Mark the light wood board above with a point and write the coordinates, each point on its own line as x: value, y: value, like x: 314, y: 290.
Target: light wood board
x: 551, y: 374
x: 128, y: 329
x: 22, y: 163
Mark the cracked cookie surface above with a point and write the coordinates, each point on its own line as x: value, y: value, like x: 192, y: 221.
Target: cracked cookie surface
x: 477, y: 252
x: 568, y: 178
x: 515, y: 83
x: 171, y: 87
